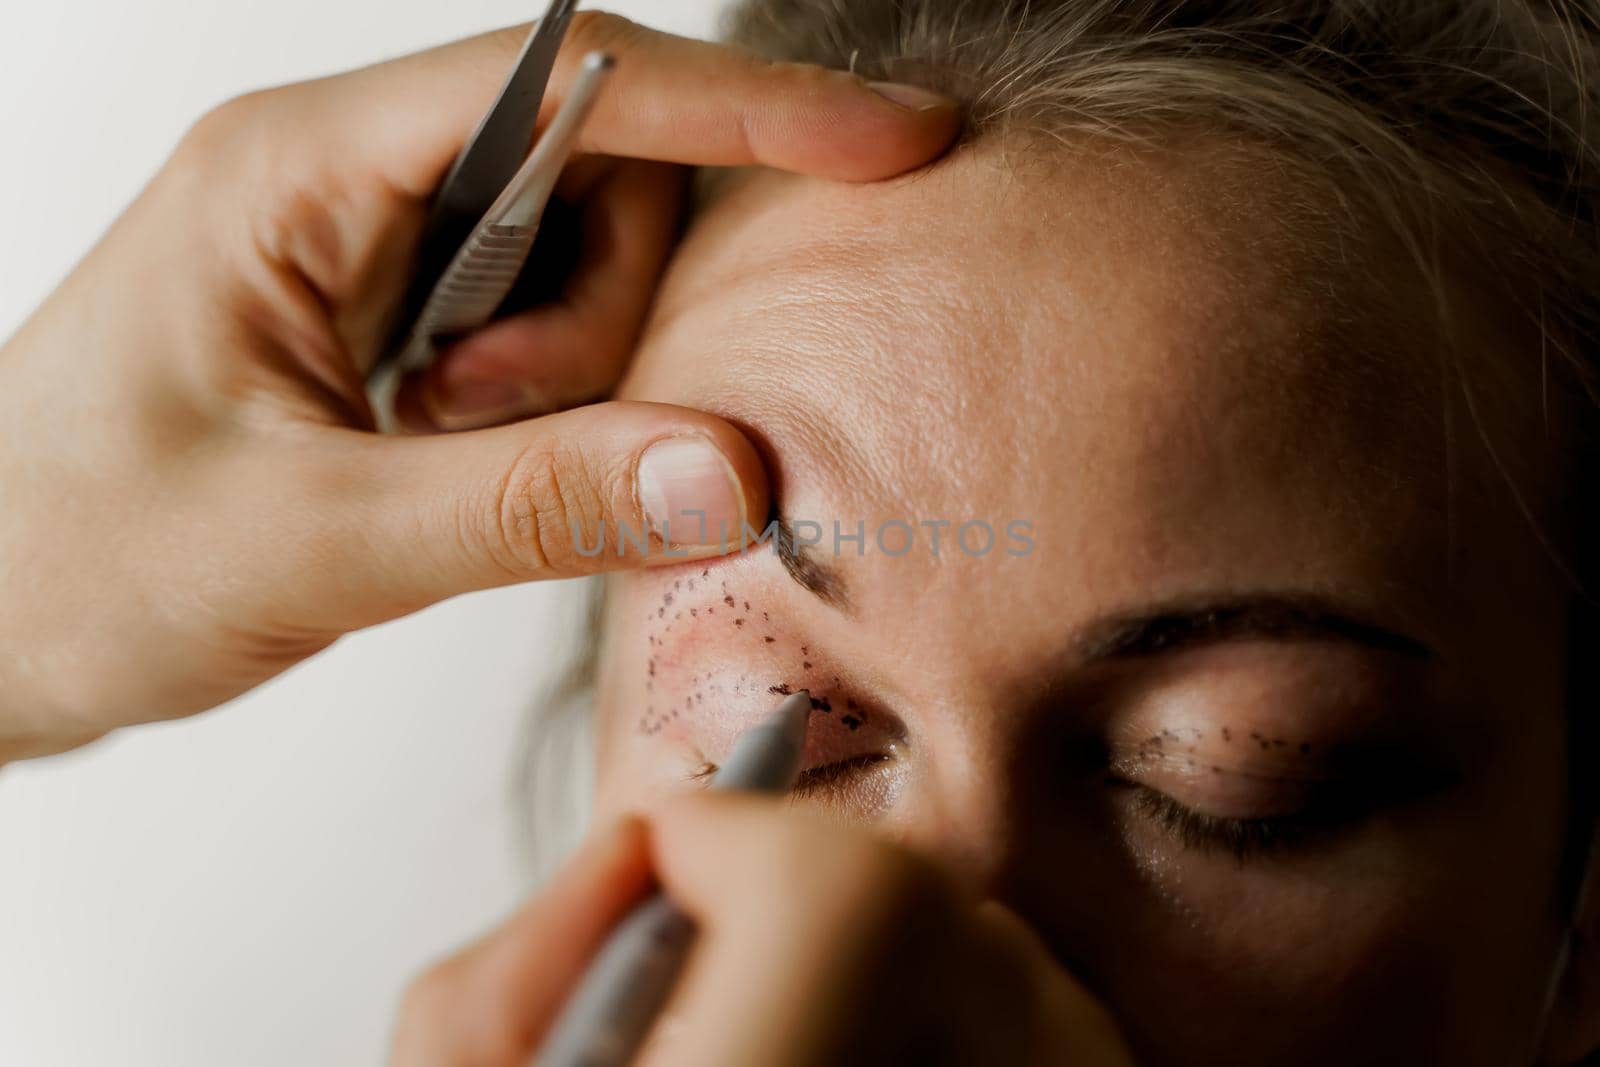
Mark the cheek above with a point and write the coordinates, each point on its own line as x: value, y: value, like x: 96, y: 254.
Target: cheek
x: 697, y: 630
x: 1252, y: 985
x: 1388, y: 955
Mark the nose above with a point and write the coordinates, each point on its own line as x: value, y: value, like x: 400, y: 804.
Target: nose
x: 961, y: 805
x: 995, y: 794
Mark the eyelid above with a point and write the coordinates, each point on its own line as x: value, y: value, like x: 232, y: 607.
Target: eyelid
x: 1329, y: 806
x: 1245, y: 838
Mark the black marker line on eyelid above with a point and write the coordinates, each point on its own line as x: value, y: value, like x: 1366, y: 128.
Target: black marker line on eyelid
x: 1262, y: 741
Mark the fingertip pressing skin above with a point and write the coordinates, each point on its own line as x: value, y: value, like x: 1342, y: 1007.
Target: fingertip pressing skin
x: 673, y: 100
x: 427, y: 517
x: 740, y: 109
x: 697, y: 494
x: 841, y: 127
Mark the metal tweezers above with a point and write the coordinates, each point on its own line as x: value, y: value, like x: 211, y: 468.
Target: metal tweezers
x: 486, y: 215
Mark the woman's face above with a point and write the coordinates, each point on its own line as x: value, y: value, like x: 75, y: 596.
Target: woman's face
x: 1174, y: 597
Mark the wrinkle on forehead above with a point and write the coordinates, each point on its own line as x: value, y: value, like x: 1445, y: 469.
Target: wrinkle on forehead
x: 1178, y: 362
x: 877, y: 318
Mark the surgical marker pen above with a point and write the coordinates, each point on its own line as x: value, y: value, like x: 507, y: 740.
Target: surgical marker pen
x: 608, y: 1015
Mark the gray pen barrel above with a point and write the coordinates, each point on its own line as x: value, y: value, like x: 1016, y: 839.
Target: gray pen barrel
x: 608, y: 1016
x: 624, y: 988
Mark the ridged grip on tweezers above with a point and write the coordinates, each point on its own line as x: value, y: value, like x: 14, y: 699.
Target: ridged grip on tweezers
x: 477, y: 280
x: 490, y: 158
x: 484, y: 271
x: 482, y: 274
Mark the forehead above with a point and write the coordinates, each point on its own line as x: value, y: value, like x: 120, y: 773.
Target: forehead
x: 1175, y: 368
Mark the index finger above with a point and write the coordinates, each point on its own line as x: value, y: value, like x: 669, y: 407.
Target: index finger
x: 802, y: 924
x: 680, y: 100
x: 672, y: 99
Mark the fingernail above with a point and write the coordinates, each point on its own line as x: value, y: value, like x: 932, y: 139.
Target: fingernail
x: 468, y: 405
x: 912, y: 97
x: 689, y: 493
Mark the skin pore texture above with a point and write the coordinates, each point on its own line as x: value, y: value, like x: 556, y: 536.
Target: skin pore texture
x: 1265, y: 732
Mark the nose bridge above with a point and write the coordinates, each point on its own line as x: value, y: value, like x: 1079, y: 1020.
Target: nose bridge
x: 968, y: 802
x: 987, y: 797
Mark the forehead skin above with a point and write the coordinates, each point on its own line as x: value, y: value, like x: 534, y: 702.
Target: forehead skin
x: 1150, y: 359
x: 1190, y: 380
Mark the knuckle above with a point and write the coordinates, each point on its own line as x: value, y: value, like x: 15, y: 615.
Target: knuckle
x: 225, y: 143
x: 801, y: 82
x: 604, y: 31
x: 807, y: 79
x: 549, y: 495
x: 220, y: 129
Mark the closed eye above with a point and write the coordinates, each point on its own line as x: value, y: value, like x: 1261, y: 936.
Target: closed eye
x: 1327, y: 809
x: 1244, y: 838
x: 816, y: 780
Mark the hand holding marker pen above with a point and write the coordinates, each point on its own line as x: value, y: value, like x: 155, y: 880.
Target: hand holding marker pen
x: 608, y: 1015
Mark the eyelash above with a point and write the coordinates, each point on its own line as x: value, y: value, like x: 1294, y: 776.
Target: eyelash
x: 816, y: 781
x: 1244, y: 839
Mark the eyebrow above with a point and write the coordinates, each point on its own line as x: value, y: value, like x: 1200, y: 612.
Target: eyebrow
x: 816, y: 576
x: 1169, y: 628
x: 1176, y: 627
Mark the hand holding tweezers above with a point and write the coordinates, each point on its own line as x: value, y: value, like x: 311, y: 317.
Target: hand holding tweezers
x: 486, y: 215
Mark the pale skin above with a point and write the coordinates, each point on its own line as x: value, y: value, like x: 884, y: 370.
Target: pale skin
x: 1117, y: 355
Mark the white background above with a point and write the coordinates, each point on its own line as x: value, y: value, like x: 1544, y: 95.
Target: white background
x: 254, y: 886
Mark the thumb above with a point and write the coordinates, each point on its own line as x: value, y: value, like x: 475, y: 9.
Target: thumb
x: 414, y: 520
